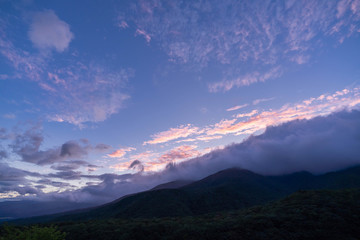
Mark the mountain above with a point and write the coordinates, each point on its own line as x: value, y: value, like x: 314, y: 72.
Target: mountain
x: 314, y: 214
x: 226, y: 190
x: 172, y: 185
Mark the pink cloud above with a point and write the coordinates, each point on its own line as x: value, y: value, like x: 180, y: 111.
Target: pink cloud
x: 173, y: 133
x: 121, y: 152
x: 236, y: 107
x: 179, y: 153
x: 144, y: 34
x: 250, y: 114
x: 220, y: 127
x: 322, y: 105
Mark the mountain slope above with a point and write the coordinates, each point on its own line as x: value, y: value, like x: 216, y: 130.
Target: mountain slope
x: 315, y: 214
x: 223, y: 191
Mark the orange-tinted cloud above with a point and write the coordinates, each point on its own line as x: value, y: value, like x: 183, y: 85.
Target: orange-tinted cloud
x: 121, y: 152
x: 173, y: 133
x: 178, y: 153
x: 250, y: 114
x: 322, y: 105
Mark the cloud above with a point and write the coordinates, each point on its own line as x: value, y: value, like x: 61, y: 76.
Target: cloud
x: 13, y: 182
x: 322, y: 105
x: 173, y: 133
x: 220, y: 126
x: 3, y: 154
x: 9, y: 116
x: 66, y: 175
x: 257, y: 101
x: 249, y: 114
x: 97, y: 91
x: 72, y: 165
x: 46, y: 181
x: 121, y: 152
x: 245, y: 80
x: 242, y: 36
x: 208, y: 138
x: 136, y: 165
x: 319, y: 145
x: 77, y: 92
x: 179, y: 153
x: 47, y: 31
x: 143, y: 33
x: 237, y: 107
x: 3, y: 134
x: 27, y: 145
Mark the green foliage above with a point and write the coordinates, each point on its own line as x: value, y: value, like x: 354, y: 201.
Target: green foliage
x: 31, y: 233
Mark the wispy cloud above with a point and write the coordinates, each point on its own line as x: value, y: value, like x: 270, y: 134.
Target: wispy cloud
x: 173, y: 133
x: 77, y: 92
x: 259, y: 120
x: 178, y: 153
x: 9, y: 116
x: 231, y: 33
x: 322, y: 105
x: 121, y: 152
x: 245, y: 80
x: 144, y: 34
x: 249, y: 114
x: 237, y: 107
x: 175, y: 155
x: 260, y: 100
x: 208, y: 138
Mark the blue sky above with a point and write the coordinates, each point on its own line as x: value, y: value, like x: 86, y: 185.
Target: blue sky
x: 127, y: 87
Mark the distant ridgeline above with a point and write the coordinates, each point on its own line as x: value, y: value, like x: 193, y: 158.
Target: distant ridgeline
x: 227, y: 190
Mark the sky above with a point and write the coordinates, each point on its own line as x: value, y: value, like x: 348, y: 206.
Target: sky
x: 103, y: 98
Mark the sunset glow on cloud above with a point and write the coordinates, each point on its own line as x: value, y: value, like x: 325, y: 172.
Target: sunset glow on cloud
x: 131, y: 90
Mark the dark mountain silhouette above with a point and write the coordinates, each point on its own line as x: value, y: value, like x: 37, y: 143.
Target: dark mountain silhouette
x: 226, y: 190
x: 310, y: 214
x: 172, y: 185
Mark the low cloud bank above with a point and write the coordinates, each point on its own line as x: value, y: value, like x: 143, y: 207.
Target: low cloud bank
x: 318, y: 145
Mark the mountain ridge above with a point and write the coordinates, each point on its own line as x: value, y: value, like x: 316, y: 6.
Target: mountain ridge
x: 229, y: 189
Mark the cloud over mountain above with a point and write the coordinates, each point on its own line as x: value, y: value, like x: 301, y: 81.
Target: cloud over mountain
x: 318, y: 145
